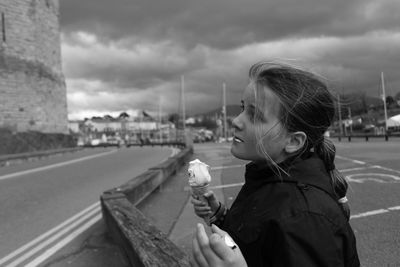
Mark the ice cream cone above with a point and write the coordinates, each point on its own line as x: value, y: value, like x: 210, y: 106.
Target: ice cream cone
x: 198, y: 192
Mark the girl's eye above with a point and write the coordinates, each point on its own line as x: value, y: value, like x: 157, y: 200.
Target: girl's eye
x: 250, y: 111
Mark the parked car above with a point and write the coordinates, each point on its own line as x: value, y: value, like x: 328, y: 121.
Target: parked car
x: 113, y: 141
x: 95, y: 142
x: 369, y: 128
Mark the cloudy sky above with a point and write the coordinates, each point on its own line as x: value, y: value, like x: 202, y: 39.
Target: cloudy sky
x: 123, y: 55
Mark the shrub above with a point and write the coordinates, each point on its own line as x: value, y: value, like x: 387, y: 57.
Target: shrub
x: 21, y: 142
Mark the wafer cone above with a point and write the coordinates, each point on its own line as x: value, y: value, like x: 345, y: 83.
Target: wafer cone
x: 198, y: 192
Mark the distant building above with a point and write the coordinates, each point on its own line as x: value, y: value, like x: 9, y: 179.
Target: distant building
x: 74, y: 126
x: 32, y: 85
x: 103, y: 125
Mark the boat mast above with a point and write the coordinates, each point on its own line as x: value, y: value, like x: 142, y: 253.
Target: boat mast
x: 384, y: 100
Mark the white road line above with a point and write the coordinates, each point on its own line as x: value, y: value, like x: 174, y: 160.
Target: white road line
x: 386, y: 169
x: 56, y: 165
x: 187, y: 188
x: 226, y: 186
x: 42, y: 245
x: 352, y: 160
x: 225, y: 167
x: 374, y: 212
x: 371, y: 177
x: 369, y: 213
x: 63, y: 242
x: 356, y: 169
x: 50, y: 232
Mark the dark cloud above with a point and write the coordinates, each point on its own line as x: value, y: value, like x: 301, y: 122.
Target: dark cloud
x: 129, y: 65
x: 128, y: 53
x: 226, y: 23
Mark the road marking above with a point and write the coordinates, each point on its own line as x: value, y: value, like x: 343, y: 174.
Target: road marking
x: 225, y: 167
x: 38, y: 244
x: 374, y: 212
x: 53, y: 234
x: 56, y: 165
x: 352, y: 160
x: 226, y: 186
x: 222, y: 158
x: 50, y: 232
x: 355, y: 169
x: 187, y: 188
x: 386, y: 169
x: 369, y: 213
x: 371, y: 177
x: 42, y: 245
x: 63, y: 242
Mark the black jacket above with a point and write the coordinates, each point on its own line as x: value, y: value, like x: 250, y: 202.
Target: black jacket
x: 292, y: 220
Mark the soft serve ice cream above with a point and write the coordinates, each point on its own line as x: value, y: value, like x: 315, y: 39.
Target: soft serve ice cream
x: 199, y: 180
x: 198, y: 173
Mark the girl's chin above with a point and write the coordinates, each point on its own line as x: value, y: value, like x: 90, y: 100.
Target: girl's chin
x: 240, y: 153
x: 235, y: 151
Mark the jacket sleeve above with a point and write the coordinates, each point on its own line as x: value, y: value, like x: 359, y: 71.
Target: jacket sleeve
x: 306, y: 239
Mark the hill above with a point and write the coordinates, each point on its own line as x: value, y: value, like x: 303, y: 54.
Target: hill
x: 231, y: 111
x: 359, y: 103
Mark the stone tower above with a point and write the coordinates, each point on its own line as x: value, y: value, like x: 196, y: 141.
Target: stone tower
x: 32, y: 85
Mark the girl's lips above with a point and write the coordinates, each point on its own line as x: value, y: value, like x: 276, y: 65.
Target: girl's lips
x: 237, y: 139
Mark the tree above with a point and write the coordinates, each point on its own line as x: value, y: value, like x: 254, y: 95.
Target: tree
x: 364, y: 104
x: 390, y: 101
x: 123, y: 115
x: 108, y: 117
x: 174, y: 118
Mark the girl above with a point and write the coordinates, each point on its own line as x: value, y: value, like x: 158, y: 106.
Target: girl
x: 291, y: 210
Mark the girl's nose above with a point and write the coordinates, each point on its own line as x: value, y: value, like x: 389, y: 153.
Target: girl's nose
x: 237, y: 125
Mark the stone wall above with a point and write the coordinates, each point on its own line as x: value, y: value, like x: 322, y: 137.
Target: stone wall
x: 32, y: 85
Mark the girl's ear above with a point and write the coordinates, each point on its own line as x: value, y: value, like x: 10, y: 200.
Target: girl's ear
x: 295, y: 142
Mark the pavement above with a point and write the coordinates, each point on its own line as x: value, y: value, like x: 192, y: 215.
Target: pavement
x: 168, y: 208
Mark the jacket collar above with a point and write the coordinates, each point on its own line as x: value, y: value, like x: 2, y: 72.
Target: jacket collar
x: 309, y: 171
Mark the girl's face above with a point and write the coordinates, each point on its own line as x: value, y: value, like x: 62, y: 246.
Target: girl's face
x: 267, y: 126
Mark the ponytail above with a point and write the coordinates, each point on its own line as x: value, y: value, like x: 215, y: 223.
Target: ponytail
x: 326, y: 151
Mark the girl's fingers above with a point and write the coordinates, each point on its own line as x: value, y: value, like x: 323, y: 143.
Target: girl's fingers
x: 217, y: 230
x: 204, y: 244
x: 202, y: 208
x: 212, y: 200
x: 218, y: 245
x: 197, y: 202
x: 202, y: 214
x: 198, y: 257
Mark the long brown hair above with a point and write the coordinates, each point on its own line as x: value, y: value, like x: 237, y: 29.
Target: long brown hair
x: 306, y: 105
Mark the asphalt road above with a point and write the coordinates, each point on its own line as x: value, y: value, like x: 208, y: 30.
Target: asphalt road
x: 373, y: 171
x: 38, y: 196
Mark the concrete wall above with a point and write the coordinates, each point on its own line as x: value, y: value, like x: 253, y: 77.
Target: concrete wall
x: 143, y: 244
x: 32, y: 85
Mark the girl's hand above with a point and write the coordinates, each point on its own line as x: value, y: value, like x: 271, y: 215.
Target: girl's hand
x: 213, y: 251
x: 203, y: 209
